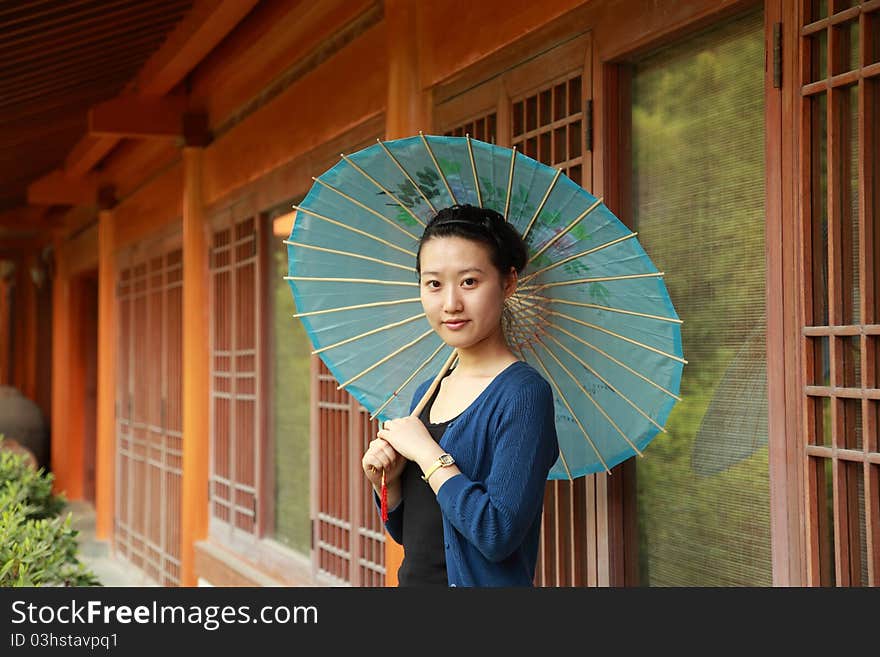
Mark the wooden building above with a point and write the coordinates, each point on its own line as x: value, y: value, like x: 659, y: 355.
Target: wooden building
x: 151, y: 152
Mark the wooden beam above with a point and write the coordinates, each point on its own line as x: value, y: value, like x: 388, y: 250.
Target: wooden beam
x: 197, y: 34
x: 138, y: 117
x: 58, y: 188
x: 87, y: 153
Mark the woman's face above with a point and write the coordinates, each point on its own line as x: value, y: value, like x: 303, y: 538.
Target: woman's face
x: 462, y: 292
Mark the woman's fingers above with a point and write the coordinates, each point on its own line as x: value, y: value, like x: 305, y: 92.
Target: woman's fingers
x: 379, y: 455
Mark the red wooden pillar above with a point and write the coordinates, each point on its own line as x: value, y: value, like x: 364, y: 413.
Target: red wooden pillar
x: 28, y: 346
x: 19, y: 315
x: 5, y: 325
x: 194, y: 514
x: 61, y: 376
x: 106, y: 412
x: 408, y: 110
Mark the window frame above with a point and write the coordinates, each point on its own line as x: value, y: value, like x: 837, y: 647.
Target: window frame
x: 612, y: 529
x: 837, y: 564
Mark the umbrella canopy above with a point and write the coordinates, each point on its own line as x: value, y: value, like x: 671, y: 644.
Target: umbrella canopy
x: 591, y: 314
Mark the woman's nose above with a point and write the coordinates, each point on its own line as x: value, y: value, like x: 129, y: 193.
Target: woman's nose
x: 451, y: 301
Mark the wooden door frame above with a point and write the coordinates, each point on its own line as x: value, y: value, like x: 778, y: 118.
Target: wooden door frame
x: 615, y: 47
x: 140, y: 252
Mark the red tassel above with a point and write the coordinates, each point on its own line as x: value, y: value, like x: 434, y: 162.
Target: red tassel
x: 383, y: 496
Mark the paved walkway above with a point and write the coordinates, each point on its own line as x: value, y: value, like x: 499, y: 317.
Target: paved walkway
x: 111, y: 571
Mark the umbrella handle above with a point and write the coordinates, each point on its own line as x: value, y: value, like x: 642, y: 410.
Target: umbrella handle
x: 383, y: 498
x: 436, y: 382
x: 383, y: 494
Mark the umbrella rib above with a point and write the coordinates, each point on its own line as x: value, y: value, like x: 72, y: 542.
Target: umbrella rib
x: 437, y: 166
x: 373, y: 281
x: 659, y: 318
x: 368, y: 333
x: 408, y: 379
x: 571, y: 412
x: 387, y: 358
x: 618, y: 336
x: 367, y: 208
x: 614, y: 360
x: 587, y: 344
x: 541, y: 204
x: 386, y: 191
x: 591, y: 398
x: 523, y: 310
x: 565, y: 230
x: 510, y: 181
x: 525, y: 318
x: 474, y: 170
x: 598, y: 279
x: 356, y: 307
x: 408, y: 177
x: 300, y: 208
x: 576, y: 256
x: 352, y: 255
x: 607, y: 383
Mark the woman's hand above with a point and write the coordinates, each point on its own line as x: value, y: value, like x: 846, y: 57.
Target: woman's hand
x: 381, y: 455
x: 409, y: 438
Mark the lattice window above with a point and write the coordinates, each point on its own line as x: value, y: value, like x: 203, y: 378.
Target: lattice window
x: 840, y: 103
x: 149, y: 416
x: 548, y: 125
x: 349, y: 540
x: 544, y: 118
x: 235, y: 352
x: 483, y: 127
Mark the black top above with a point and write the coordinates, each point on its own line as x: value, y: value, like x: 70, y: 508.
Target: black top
x: 424, y: 560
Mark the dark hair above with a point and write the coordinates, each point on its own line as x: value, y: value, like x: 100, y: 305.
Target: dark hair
x: 506, y: 247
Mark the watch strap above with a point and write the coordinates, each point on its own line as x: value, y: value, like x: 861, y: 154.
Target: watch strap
x: 439, y: 463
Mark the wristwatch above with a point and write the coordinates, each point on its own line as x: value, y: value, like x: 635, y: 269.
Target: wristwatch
x: 443, y: 461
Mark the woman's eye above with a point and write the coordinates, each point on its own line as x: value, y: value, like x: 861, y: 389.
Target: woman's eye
x: 470, y: 281
x: 432, y: 284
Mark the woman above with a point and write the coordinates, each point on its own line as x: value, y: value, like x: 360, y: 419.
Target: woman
x: 465, y: 480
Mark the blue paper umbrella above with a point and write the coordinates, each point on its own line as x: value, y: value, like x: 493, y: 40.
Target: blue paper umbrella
x: 591, y: 314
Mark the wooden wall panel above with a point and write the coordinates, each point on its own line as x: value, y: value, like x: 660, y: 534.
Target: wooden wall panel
x: 136, y: 161
x: 82, y: 250
x: 151, y: 208
x: 271, y: 39
x: 332, y: 99
x: 493, y: 26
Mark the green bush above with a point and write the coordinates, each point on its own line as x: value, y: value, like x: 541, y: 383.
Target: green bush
x: 19, y: 482
x: 37, y: 546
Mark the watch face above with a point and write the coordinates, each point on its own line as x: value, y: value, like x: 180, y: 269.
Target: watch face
x: 446, y: 459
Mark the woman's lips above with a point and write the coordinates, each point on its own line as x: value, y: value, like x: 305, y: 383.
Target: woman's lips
x: 456, y: 325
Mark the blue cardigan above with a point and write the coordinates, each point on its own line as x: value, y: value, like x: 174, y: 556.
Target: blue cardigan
x: 504, y: 443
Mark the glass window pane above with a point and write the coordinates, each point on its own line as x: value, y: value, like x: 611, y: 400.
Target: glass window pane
x: 698, y: 199
x: 850, y: 198
x: 291, y: 402
x: 817, y: 64
x: 819, y: 207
